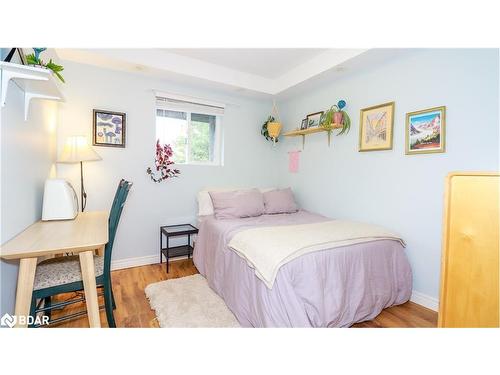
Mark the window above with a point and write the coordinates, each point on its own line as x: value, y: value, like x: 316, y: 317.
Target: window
x: 192, y: 129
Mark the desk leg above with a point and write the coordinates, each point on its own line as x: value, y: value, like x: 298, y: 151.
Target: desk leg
x: 25, y: 280
x: 89, y: 285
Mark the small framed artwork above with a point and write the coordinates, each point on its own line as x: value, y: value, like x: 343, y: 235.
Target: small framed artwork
x: 13, y: 55
x: 425, y: 131
x: 303, y: 125
x: 109, y: 128
x: 313, y: 119
x: 376, y: 127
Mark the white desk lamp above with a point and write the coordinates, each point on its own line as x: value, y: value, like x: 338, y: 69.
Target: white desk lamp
x: 77, y: 150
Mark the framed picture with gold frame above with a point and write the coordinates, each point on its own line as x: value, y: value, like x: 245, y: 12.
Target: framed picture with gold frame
x: 376, y: 127
x: 425, y: 131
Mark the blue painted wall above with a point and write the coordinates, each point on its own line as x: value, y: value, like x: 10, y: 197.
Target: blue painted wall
x: 150, y: 205
x: 27, y: 157
x: 403, y: 193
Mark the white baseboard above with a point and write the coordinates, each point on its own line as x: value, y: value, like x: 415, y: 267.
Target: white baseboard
x: 425, y: 300
x: 120, y: 264
x: 133, y: 262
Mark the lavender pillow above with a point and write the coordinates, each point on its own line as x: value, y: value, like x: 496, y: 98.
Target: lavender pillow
x: 236, y: 204
x: 279, y: 202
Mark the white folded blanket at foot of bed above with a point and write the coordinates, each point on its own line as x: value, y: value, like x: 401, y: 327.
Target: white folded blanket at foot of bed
x: 266, y: 249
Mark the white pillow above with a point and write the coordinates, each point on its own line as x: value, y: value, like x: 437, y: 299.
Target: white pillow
x: 205, y: 206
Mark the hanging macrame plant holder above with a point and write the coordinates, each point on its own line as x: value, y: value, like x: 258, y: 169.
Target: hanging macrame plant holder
x: 274, y: 127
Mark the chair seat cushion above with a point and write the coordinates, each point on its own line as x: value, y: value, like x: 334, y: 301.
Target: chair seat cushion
x: 62, y: 270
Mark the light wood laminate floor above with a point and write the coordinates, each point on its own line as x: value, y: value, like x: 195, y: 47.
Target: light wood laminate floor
x: 133, y: 308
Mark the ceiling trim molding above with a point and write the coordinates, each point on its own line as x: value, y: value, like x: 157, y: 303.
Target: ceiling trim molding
x: 159, y: 60
x: 317, y: 65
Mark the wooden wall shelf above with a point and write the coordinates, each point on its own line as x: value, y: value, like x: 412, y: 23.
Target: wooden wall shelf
x: 318, y: 129
x: 36, y: 83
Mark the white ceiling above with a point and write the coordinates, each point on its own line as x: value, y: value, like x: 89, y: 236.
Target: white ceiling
x: 264, y: 62
x: 246, y: 71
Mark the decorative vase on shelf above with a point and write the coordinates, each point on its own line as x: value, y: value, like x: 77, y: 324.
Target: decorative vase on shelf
x: 337, y: 118
x: 38, y: 51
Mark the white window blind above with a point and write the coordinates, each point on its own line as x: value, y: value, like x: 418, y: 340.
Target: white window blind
x: 183, y: 103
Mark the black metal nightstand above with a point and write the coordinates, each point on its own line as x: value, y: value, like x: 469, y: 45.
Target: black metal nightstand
x: 176, y: 231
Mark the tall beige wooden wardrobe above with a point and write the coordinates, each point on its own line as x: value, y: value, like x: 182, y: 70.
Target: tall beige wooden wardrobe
x: 470, y: 261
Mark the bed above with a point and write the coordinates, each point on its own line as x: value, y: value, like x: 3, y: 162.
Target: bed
x: 332, y: 287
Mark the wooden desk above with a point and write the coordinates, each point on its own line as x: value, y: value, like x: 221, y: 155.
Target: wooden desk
x: 85, y: 234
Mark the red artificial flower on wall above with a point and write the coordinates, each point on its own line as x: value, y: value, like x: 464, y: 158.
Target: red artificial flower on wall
x: 163, y: 164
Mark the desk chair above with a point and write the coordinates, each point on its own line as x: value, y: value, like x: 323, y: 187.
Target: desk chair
x: 63, y: 274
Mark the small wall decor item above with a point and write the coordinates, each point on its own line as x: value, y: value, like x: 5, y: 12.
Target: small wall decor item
x: 163, y: 164
x: 376, y: 127
x: 425, y: 131
x: 336, y: 118
x: 109, y: 128
x: 293, y: 161
x: 303, y: 125
x: 34, y: 59
x: 313, y: 119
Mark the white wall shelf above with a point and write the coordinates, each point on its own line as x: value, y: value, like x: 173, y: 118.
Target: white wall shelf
x: 36, y: 83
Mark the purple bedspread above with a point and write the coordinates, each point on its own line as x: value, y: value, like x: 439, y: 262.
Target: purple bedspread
x: 330, y: 288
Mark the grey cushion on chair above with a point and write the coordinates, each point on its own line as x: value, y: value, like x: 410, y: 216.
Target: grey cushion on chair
x: 62, y: 270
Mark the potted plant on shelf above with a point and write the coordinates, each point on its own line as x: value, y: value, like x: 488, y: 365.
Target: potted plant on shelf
x: 336, y: 118
x: 34, y: 59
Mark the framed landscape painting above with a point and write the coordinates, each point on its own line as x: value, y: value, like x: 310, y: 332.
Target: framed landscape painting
x: 109, y: 128
x: 425, y: 131
x: 376, y: 127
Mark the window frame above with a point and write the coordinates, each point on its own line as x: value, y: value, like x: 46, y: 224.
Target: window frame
x: 218, y: 159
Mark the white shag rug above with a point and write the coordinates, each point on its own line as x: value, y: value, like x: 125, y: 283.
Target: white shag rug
x: 188, y: 302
